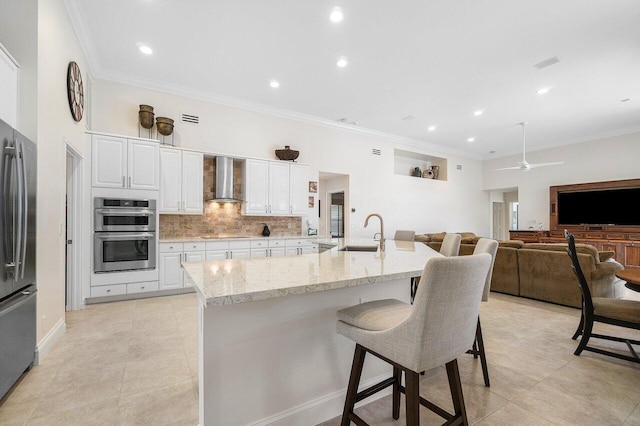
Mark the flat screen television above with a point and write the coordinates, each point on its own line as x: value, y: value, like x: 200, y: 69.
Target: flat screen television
x: 599, y: 207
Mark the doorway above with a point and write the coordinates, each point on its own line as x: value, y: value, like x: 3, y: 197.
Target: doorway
x: 73, y: 230
x: 333, y: 209
x: 336, y: 214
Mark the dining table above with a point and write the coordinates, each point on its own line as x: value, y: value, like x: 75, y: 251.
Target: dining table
x: 631, y: 276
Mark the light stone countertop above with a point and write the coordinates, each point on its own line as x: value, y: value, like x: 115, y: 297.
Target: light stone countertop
x: 226, y: 282
x: 234, y: 238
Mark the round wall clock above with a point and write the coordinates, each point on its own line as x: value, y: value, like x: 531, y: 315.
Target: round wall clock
x: 75, y: 91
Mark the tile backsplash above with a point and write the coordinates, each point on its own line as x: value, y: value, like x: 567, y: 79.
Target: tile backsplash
x: 224, y: 218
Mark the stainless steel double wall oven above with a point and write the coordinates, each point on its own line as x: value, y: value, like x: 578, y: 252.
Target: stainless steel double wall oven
x: 124, y: 237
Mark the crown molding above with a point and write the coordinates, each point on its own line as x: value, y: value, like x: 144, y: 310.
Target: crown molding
x: 82, y: 34
x: 186, y: 92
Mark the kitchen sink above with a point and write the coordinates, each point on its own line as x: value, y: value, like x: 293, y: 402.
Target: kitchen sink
x: 358, y: 248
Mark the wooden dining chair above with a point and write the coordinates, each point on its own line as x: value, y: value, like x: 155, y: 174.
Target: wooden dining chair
x: 620, y: 312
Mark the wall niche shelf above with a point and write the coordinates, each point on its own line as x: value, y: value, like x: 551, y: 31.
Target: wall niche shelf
x: 406, y: 161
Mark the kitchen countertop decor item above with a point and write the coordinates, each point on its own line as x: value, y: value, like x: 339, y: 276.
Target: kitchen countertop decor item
x: 265, y: 231
x: 145, y: 120
x: 165, y: 129
x: 416, y: 172
x: 287, y: 153
x: 146, y: 116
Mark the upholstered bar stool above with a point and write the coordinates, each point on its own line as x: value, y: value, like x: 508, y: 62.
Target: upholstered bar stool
x: 450, y: 247
x: 484, y: 245
x: 437, y: 328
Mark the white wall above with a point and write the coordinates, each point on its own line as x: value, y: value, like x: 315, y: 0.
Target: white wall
x: 458, y: 204
x: 18, y: 34
x: 605, y: 159
x: 57, y: 46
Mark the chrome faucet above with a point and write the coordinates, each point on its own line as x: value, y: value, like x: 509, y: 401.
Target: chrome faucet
x: 366, y: 222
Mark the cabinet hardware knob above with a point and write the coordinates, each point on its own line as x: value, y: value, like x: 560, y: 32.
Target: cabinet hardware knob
x: 142, y: 288
x: 129, y: 181
x: 108, y: 291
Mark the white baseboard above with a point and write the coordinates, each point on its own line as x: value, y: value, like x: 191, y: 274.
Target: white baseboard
x: 323, y: 408
x: 48, y: 342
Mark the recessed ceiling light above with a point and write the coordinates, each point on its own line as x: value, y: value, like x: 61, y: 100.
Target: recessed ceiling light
x: 543, y: 90
x: 145, y: 49
x: 431, y: 128
x: 471, y: 139
x: 342, y: 62
x: 336, y: 15
x: 478, y: 112
x: 274, y: 84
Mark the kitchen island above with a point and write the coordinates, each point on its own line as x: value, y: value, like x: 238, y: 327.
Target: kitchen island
x: 268, y: 349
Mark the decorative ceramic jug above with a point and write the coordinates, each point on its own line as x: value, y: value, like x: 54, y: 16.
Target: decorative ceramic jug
x: 265, y: 231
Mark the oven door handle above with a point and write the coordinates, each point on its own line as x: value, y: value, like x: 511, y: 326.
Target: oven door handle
x: 123, y: 236
x: 118, y: 212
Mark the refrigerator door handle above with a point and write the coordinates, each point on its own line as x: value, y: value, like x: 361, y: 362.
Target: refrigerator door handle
x: 7, y: 210
x: 19, y: 213
x: 24, y: 202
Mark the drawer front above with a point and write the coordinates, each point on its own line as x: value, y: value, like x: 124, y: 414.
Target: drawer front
x: 171, y: 248
x: 615, y: 236
x: 259, y: 243
x: 241, y: 244
x: 302, y: 242
x: 276, y: 243
x: 108, y: 290
x: 217, y: 245
x: 195, y: 246
x: 142, y: 287
x: 593, y: 235
x: 634, y: 237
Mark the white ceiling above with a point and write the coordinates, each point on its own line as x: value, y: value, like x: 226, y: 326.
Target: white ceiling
x: 438, y: 60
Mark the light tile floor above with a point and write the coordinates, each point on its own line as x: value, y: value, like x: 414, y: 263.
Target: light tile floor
x: 135, y: 362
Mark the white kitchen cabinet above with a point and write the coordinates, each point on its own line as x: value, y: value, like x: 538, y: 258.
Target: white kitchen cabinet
x: 275, y: 188
x: 299, y: 189
x: 171, y: 256
x: 279, y: 197
x: 267, y: 248
x: 181, y: 180
x: 296, y: 247
x: 228, y: 249
x: 8, y: 89
x: 118, y: 162
x: 256, y: 187
x: 170, y: 271
x: 192, y: 256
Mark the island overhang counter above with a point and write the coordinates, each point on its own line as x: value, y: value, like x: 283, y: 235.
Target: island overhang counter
x: 268, y: 349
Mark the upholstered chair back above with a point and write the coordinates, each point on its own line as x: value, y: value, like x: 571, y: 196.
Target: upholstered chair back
x: 444, y: 314
x: 487, y: 245
x: 450, y: 244
x: 404, y: 235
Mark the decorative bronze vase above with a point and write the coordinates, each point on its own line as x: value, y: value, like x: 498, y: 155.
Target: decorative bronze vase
x: 145, y: 115
x: 165, y: 125
x: 287, y: 153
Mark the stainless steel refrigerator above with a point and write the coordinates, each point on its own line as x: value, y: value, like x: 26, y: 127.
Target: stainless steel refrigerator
x: 18, y: 290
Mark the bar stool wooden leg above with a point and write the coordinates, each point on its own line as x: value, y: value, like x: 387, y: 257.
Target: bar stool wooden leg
x: 456, y: 394
x: 354, y: 381
x: 412, y: 397
x: 482, y: 354
x: 397, y: 375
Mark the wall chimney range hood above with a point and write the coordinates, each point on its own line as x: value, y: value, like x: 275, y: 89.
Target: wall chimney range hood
x: 223, y: 192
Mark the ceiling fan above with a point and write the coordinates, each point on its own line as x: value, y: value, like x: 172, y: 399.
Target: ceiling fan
x: 524, y: 165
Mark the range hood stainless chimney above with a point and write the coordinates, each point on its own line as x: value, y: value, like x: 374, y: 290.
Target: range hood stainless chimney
x: 224, y: 181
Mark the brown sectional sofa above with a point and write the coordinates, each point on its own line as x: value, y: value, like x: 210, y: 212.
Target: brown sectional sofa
x: 543, y: 271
